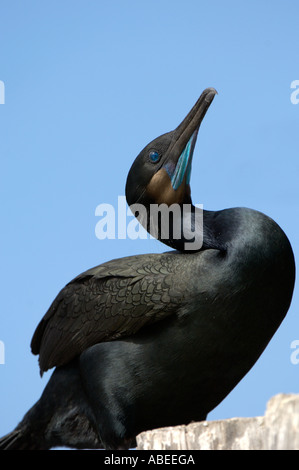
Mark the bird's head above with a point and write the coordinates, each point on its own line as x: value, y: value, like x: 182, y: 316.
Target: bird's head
x: 161, y: 172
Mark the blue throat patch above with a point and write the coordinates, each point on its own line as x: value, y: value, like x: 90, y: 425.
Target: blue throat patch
x: 183, y: 166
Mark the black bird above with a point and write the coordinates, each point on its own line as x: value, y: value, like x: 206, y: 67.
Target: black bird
x: 159, y: 339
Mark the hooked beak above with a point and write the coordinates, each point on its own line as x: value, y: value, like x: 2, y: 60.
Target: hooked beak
x: 180, y: 152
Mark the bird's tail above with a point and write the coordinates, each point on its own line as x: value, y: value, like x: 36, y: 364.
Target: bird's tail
x: 61, y: 417
x: 29, y: 433
x: 19, y: 439
x: 7, y: 442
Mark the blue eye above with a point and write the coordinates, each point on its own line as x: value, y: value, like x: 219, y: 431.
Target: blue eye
x: 154, y: 156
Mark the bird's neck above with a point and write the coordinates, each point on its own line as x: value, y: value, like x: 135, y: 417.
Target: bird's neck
x: 183, y: 227
x: 198, y: 231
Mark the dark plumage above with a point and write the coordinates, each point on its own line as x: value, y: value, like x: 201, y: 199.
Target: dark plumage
x: 159, y: 339
x: 108, y: 302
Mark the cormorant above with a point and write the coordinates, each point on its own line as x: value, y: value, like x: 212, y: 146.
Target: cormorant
x: 159, y: 339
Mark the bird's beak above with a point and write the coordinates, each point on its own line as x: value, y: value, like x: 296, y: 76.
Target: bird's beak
x: 180, y: 152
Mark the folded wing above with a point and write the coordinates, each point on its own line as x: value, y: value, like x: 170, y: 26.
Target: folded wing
x: 110, y: 301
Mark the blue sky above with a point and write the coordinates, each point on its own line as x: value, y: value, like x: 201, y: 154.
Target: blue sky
x: 87, y: 86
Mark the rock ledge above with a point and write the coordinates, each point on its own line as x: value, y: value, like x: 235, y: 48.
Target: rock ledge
x: 277, y: 430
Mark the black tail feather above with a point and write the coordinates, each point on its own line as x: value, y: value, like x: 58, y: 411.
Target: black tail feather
x: 17, y: 440
x: 62, y: 417
x: 7, y: 442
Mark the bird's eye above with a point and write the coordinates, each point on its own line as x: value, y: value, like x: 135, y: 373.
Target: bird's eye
x: 154, y: 156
